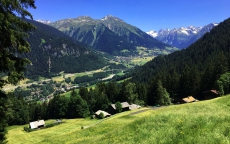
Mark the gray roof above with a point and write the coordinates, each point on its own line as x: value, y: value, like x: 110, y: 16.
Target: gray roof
x: 134, y: 106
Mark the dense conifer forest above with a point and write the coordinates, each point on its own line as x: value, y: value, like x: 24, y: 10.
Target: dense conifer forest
x: 190, y: 71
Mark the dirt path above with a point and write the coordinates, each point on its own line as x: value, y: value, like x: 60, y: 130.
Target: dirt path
x: 134, y: 113
x: 149, y: 108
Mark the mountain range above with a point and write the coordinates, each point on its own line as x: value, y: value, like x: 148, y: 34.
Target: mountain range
x: 52, y: 52
x: 181, y: 37
x: 109, y: 34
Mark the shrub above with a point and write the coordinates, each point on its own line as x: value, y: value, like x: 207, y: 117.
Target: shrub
x: 28, y: 129
x: 101, y: 115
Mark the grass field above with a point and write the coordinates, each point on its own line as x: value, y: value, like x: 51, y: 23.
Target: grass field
x: 141, y: 61
x: 200, y: 122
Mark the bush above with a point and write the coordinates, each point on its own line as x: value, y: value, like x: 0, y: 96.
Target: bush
x: 101, y: 115
x: 118, y: 107
x: 28, y: 129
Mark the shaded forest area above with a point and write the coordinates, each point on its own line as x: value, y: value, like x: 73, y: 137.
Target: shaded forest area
x: 52, y: 52
x: 193, y: 70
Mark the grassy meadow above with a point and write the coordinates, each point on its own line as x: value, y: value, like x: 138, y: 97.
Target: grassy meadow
x: 200, y: 122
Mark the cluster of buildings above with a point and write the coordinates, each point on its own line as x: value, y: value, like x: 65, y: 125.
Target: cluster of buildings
x: 112, y: 109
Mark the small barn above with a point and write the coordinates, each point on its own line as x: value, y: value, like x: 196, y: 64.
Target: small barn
x: 37, y: 124
x: 124, y: 105
x: 104, y: 113
x: 210, y: 94
x: 189, y: 99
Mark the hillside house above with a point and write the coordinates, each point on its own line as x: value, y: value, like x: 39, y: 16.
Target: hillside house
x: 189, y: 99
x: 37, y: 124
x: 210, y: 94
x: 104, y: 113
x: 124, y: 105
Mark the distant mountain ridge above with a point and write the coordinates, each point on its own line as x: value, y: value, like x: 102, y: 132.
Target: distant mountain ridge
x: 52, y: 52
x: 181, y: 37
x: 110, y: 34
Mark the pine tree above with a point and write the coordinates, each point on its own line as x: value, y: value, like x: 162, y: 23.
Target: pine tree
x: 12, y: 41
x: 77, y: 106
x: 162, y: 97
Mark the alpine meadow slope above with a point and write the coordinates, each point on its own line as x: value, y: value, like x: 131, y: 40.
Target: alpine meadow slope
x: 200, y: 122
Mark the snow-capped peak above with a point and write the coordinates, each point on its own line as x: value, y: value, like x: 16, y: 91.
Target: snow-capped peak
x: 110, y: 17
x: 152, y: 33
x: 44, y: 21
x: 181, y: 37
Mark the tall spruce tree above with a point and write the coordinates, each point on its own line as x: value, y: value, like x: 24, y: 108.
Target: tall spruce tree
x: 12, y: 42
x: 162, y: 97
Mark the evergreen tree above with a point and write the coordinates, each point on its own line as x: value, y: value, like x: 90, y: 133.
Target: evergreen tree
x: 141, y: 91
x: 19, y: 109
x: 58, y: 107
x: 162, y: 97
x: 112, y: 91
x: 77, y: 107
x: 118, y: 107
x: 130, y: 93
x: 102, y: 101
x: 83, y: 92
x: 13, y: 33
x: 152, y: 92
x: 223, y: 84
x: 3, y: 115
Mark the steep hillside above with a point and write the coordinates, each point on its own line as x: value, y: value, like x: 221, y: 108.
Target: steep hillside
x: 53, y: 52
x: 109, y: 34
x: 193, y: 70
x: 93, y: 33
x: 133, y: 34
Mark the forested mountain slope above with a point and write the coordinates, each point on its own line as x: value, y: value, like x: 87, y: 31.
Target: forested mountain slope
x: 193, y: 70
x: 52, y: 52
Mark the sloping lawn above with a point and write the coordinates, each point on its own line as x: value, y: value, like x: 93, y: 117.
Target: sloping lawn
x: 200, y: 122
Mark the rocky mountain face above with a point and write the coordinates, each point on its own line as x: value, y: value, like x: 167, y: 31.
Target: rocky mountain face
x: 52, y: 52
x: 131, y: 33
x: 181, y: 37
x: 110, y: 34
x: 94, y: 33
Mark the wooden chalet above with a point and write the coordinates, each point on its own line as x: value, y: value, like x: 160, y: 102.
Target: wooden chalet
x: 210, y: 94
x: 124, y: 105
x: 189, y: 99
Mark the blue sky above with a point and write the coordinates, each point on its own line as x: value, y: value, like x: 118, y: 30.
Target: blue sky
x: 146, y: 14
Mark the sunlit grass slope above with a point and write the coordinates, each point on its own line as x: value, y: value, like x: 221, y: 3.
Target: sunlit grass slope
x: 200, y: 122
